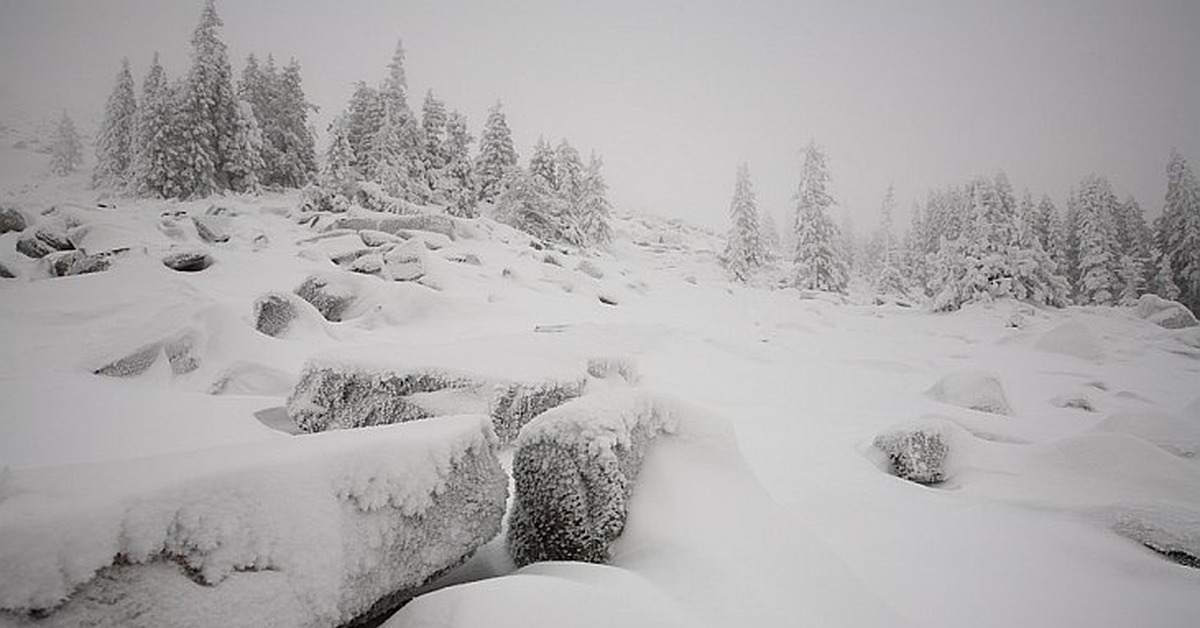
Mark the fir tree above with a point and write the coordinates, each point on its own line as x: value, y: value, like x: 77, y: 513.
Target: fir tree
x: 888, y: 281
x: 496, y: 155
x: 770, y: 233
x: 245, y: 161
x: 819, y: 262
x: 457, y: 181
x: 66, y: 151
x: 288, y: 139
x: 364, y: 118
x: 528, y: 204
x: 568, y: 171
x: 395, y: 160
x: 744, y: 251
x: 593, y: 208
x: 115, y: 145
x: 541, y: 163
x: 1099, y: 259
x: 207, y: 110
x: 1179, y: 230
x: 154, y: 160
x: 1164, y: 281
x: 433, y: 153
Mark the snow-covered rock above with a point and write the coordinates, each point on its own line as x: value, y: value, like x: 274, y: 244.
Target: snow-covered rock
x: 11, y: 220
x: 178, y: 349
x: 330, y: 293
x: 313, y: 531
x: 406, y: 262
x: 69, y: 263
x: 574, y: 472
x: 516, y: 404
x: 610, y: 367
x: 1170, y: 531
x: 396, y: 224
x: 43, y: 241
x: 1073, y: 339
x: 972, y: 390
x: 274, y: 312
x: 1164, y: 313
x: 188, y: 261
x: 332, y: 396
x: 5, y: 273
x: 918, y: 452
x: 213, y: 228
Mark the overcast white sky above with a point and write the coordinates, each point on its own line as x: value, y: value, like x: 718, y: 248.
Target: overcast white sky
x: 674, y: 94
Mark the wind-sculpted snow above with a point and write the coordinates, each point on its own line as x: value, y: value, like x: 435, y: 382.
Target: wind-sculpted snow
x: 575, y: 469
x: 973, y: 390
x: 308, y: 531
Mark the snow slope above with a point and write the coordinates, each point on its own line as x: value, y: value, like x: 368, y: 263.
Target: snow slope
x: 786, y: 515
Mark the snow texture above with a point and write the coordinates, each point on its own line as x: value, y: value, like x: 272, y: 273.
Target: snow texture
x: 575, y: 469
x: 1171, y: 432
x: 308, y: 531
x: 1164, y: 313
x: 515, y: 404
x: 974, y: 390
x: 1073, y: 339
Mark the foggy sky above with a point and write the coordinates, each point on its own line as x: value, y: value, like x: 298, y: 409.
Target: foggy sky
x: 674, y: 94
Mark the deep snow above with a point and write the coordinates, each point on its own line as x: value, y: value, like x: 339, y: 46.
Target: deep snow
x: 775, y: 509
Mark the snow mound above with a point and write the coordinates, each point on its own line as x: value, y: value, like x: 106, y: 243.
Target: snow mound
x: 919, y: 452
x: 613, y: 367
x: 330, y: 293
x: 1171, y: 531
x: 1074, y: 339
x: 306, y: 531
x: 574, y: 472
x: 179, y: 350
x: 1164, y: 313
x: 250, y: 378
x: 1170, y: 432
x: 398, y: 225
x: 973, y: 390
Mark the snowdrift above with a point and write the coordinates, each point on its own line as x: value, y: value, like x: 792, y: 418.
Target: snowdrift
x: 308, y: 531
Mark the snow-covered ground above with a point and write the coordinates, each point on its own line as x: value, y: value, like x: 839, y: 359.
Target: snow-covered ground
x: 767, y: 506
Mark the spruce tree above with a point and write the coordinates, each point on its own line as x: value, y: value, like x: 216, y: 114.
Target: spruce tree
x: 744, y: 251
x: 1099, y: 258
x: 888, y: 281
x: 115, y: 145
x: 541, y: 163
x: 154, y: 160
x: 66, y: 151
x: 1179, y: 230
x: 457, y: 181
x: 245, y: 162
x: 497, y: 157
x: 819, y: 262
x: 364, y: 118
x: 207, y: 117
x: 289, y: 141
x: 568, y: 171
x: 770, y: 233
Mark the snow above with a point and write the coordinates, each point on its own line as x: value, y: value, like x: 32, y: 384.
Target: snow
x: 767, y: 506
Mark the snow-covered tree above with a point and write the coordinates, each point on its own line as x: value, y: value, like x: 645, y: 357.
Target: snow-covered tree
x: 818, y: 259
x: 770, y: 234
x: 287, y: 133
x: 115, y: 144
x: 396, y: 158
x: 66, y: 151
x: 338, y: 176
x: 568, y: 171
x: 592, y: 207
x: 1179, y: 230
x: 364, y: 118
x: 433, y: 153
x: 245, y: 160
x: 541, y: 163
x: 496, y: 155
x: 207, y: 111
x: 1164, y: 281
x: 457, y: 181
x: 1099, y: 258
x: 528, y: 204
x: 155, y: 159
x: 888, y: 281
x: 744, y: 250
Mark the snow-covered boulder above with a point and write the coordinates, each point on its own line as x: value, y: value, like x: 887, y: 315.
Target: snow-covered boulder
x: 331, y: 294
x: 574, y: 472
x: 590, y: 269
x: 189, y: 261
x: 213, y: 228
x: 397, y: 224
x: 180, y: 351
x: 610, y: 368
x: 314, y: 531
x: 5, y: 273
x: 515, y: 404
x: 11, y: 220
x: 1073, y: 339
x: 43, y: 241
x: 406, y: 262
x: 1171, y: 531
x: 1164, y: 313
x: 374, y: 238
x: 69, y: 263
x: 917, y: 453
x: 332, y: 396
x: 274, y: 312
x: 972, y: 390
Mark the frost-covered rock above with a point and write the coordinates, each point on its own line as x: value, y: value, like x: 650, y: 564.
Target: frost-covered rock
x: 212, y: 228
x: 369, y: 264
x: 11, y: 220
x: 188, y: 261
x: 575, y: 469
x: 274, y: 312
x: 1073, y: 339
x: 374, y: 238
x: 319, y: 531
x: 43, y: 241
x: 396, y: 224
x: 515, y: 404
x: 1164, y: 313
x: 5, y: 273
x: 972, y: 390
x: 332, y: 396
x: 590, y: 269
x: 608, y: 367
x: 1172, y: 532
x: 180, y: 351
x: 329, y: 293
x: 68, y: 263
x: 135, y: 363
x: 916, y: 453
x: 406, y: 262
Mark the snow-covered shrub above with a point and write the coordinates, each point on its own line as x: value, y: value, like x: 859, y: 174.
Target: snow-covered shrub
x: 574, y: 472
x: 1073, y: 339
x: 515, y: 404
x: 328, y: 294
x: 972, y: 390
x: 1164, y: 313
x: 607, y: 367
x: 917, y: 454
x: 327, y: 530
x: 334, y: 396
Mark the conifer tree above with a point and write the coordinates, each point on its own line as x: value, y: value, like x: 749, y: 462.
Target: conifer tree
x: 593, y: 208
x: 1164, y: 281
x: 744, y: 251
x: 337, y: 179
x: 888, y: 281
x: 568, y: 171
x: 542, y: 163
x: 457, y: 183
x: 1179, y: 230
x: 245, y: 162
x: 1099, y: 259
x: 115, y: 145
x: 771, y: 238
x: 433, y: 153
x: 207, y: 114
x: 364, y: 118
x: 288, y: 139
x: 496, y: 155
x: 66, y: 151
x: 154, y: 159
x: 818, y: 259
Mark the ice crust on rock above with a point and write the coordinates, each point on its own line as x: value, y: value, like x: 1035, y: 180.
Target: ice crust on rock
x: 575, y: 469
x: 310, y: 531
x: 973, y: 390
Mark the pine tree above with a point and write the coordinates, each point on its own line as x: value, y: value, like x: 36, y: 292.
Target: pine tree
x: 66, y: 151
x: 288, y: 139
x: 1179, y: 230
x: 568, y: 171
x: 364, y: 118
x: 541, y: 163
x: 889, y: 281
x: 115, y: 145
x: 593, y: 208
x: 457, y: 181
x: 207, y: 111
x: 1099, y: 259
x: 744, y: 251
x: 433, y: 153
x: 496, y: 155
x: 819, y: 262
x: 245, y: 161
x: 154, y: 160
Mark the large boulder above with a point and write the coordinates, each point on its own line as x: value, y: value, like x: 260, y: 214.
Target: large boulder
x: 329, y: 293
x: 328, y: 530
x: 1164, y: 313
x: 180, y: 351
x: 574, y: 470
x: 515, y: 404
x: 11, y: 220
x: 406, y: 262
x: 398, y: 224
x: 213, y: 228
x: 972, y: 390
x: 68, y: 263
x: 43, y: 241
